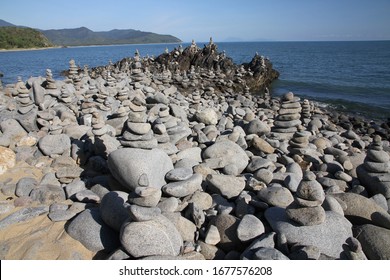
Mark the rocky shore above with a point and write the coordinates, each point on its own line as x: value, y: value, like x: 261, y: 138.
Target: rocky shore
x: 175, y: 157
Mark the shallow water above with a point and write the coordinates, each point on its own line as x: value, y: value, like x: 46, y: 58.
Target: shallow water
x: 352, y: 76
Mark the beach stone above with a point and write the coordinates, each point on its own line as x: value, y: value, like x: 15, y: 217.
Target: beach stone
x: 7, y: 159
x: 375, y: 241
x: 264, y: 175
x: 25, y: 185
x: 332, y: 204
x: 154, y: 237
x: 179, y: 174
x: 306, y: 216
x: 227, y: 226
x: 211, y: 252
x: 212, y: 235
x: 90, y: 230
x: 139, y: 168
x: 61, y: 215
x: 266, y: 240
x: 87, y: 196
x: 47, y: 194
x: 226, y: 153
x: 380, y: 200
x: 13, y: 132
x: 305, y: 253
x: 267, y: 253
x: 168, y: 205
x: 276, y: 196
x: 227, y: 185
x: 262, y: 145
x: 257, y: 127
x: 193, y: 153
x: 309, y: 192
x: 361, y: 210
x: 140, y: 213
x: 183, y: 188
x: 113, y: 209
x: 207, y: 116
x: 54, y: 144
x: 145, y: 196
x: 74, y: 187
x: 22, y: 215
x: 202, y: 199
x: 328, y: 237
x: 249, y: 228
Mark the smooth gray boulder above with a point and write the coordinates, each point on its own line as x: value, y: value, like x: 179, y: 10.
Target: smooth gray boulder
x: 139, y: 168
x: 154, y: 237
x: 54, y: 144
x: 113, y: 209
x: 375, y: 241
x: 329, y: 237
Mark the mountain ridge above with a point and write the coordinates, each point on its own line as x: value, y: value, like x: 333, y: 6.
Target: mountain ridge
x: 83, y: 36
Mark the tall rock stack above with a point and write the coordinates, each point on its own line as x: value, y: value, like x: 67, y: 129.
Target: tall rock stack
x: 25, y: 104
x: 73, y: 70
x: 289, y: 114
x: 374, y: 173
x: 306, y: 111
x: 299, y: 141
x: 137, y: 74
x: 138, y: 132
x: 50, y: 83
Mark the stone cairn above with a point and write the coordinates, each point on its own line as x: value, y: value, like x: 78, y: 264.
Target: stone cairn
x: 374, y: 173
x: 138, y: 132
x: 73, y: 70
x: 306, y: 209
x: 23, y: 98
x: 288, y: 118
x: 299, y: 141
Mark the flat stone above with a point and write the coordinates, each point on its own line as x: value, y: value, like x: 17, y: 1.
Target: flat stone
x: 276, y: 196
x: 139, y: 128
x: 268, y: 254
x: 140, y: 213
x: 249, y: 228
x: 87, y: 196
x: 262, y: 145
x: 145, y: 196
x: 227, y: 185
x: 90, y: 230
x: 113, y: 209
x: 202, y: 199
x: 183, y: 188
x: 128, y: 166
x: 54, y: 144
x: 266, y: 240
x: 154, y: 237
x: 168, y: 205
x: 306, y: 216
x: 184, y: 226
x: 257, y: 127
x: 48, y: 194
x: 74, y: 187
x: 329, y: 237
x: 179, y: 174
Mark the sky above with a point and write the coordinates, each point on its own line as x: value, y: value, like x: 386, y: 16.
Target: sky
x: 224, y: 20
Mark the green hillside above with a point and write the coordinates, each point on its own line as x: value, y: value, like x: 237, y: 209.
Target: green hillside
x: 83, y: 36
x: 12, y: 37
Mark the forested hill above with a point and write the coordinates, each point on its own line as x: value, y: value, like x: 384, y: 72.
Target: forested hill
x: 83, y: 36
x: 12, y: 37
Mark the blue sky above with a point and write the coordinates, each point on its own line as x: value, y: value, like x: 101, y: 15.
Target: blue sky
x: 224, y: 20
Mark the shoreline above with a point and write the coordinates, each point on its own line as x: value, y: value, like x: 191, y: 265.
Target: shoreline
x: 31, y: 49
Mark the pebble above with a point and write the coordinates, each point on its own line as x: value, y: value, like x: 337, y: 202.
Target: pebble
x: 249, y: 228
x: 226, y: 185
x: 183, y: 188
x: 276, y: 196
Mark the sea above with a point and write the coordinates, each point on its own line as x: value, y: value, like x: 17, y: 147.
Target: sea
x: 345, y: 76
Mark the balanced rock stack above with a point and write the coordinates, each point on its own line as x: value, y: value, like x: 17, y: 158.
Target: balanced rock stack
x: 138, y: 131
x: 137, y: 74
x: 299, y: 141
x: 306, y: 111
x: 289, y: 114
x: 50, y: 82
x: 23, y: 98
x: 73, y: 70
x: 374, y: 173
x: 306, y: 209
x: 98, y: 126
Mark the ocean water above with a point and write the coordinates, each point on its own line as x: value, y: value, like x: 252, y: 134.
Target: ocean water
x: 350, y: 76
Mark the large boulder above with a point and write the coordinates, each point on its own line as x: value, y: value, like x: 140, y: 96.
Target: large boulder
x: 226, y: 155
x: 54, y: 144
x: 329, y: 237
x: 135, y: 168
x: 148, y: 238
x: 375, y: 241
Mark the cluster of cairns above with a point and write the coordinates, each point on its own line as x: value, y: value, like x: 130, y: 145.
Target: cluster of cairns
x: 174, y: 158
